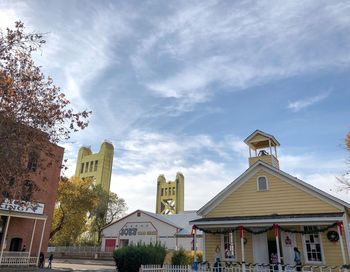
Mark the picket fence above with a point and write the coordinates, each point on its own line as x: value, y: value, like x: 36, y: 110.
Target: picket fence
x: 238, y: 268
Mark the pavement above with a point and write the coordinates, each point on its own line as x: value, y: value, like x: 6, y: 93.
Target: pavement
x: 80, y: 265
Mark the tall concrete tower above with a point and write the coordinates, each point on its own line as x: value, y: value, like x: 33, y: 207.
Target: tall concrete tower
x: 97, y: 166
x: 170, y: 195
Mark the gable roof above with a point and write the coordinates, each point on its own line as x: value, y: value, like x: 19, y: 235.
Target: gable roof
x: 256, y: 132
x: 233, y: 186
x: 156, y: 216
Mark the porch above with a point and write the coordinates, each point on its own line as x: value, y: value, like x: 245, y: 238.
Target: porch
x: 263, y: 243
x: 11, y: 251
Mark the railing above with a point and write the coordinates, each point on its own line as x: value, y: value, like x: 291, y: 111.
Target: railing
x: 165, y: 268
x: 12, y: 258
x: 237, y: 267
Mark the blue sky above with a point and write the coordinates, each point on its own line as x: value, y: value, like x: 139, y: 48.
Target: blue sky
x: 178, y: 85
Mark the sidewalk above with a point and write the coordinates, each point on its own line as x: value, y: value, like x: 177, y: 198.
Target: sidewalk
x: 86, y: 262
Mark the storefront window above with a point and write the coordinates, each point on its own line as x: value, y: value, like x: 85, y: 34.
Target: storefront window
x: 312, y: 245
x: 229, y: 246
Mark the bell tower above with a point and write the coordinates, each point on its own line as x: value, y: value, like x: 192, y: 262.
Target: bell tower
x: 263, y: 147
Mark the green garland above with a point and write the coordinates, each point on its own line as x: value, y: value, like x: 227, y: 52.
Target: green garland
x: 228, y: 230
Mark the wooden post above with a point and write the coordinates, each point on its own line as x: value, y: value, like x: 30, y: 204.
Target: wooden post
x: 41, y: 241
x: 340, y: 231
x: 241, y: 233
x: 4, y: 238
x: 275, y: 226
x: 31, y: 240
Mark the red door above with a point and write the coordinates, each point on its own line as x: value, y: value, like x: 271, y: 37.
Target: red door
x: 110, y: 245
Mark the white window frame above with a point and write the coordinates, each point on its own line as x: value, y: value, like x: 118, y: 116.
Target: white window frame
x: 257, y: 184
x: 305, y: 250
x: 222, y: 250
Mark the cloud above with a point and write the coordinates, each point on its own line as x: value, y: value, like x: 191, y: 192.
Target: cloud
x: 216, y: 46
x: 306, y: 102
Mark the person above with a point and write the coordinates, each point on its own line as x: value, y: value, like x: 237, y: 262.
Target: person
x: 41, y: 260
x: 274, y: 261
x: 50, y: 261
x: 297, y: 258
x: 24, y: 248
x: 217, y: 261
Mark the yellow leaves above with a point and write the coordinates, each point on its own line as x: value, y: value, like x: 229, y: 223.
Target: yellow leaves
x: 347, y: 141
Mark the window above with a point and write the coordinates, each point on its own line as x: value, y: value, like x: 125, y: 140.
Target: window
x: 91, y: 165
x: 96, y: 164
x: 262, y: 184
x: 162, y: 192
x: 86, y: 166
x: 138, y: 214
x: 27, y: 190
x: 33, y: 161
x: 173, y: 190
x: 82, y: 168
x: 312, y: 245
x: 229, y: 246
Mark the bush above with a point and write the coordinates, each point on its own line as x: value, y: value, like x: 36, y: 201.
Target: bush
x: 181, y: 257
x: 130, y: 258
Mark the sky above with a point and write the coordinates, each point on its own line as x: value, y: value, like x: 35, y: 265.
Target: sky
x: 178, y: 85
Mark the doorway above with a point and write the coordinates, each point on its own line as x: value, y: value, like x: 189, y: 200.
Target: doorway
x: 16, y: 244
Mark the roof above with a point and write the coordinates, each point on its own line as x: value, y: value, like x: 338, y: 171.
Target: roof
x: 179, y: 221
x: 274, y: 217
x: 251, y: 136
x: 260, y: 164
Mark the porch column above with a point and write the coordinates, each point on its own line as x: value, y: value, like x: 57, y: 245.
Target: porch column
x: 340, y: 231
x: 4, y: 237
x: 347, y: 233
x: 31, y: 240
x: 195, y: 245
x: 241, y: 234
x: 203, y: 245
x: 41, y: 241
x: 275, y: 226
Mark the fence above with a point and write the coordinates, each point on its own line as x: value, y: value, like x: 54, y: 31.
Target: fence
x: 236, y: 267
x: 91, y: 252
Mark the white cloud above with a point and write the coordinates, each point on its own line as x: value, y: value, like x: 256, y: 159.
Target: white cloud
x: 214, y: 46
x: 306, y: 102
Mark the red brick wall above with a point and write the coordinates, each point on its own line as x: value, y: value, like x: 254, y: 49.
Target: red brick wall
x: 21, y: 227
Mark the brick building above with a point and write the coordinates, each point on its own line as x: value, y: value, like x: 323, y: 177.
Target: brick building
x: 25, y: 223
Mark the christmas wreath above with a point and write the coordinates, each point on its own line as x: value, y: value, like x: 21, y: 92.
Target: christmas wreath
x: 332, y: 236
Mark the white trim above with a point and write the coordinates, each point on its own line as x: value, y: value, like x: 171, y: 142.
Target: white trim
x: 257, y: 184
x: 347, y: 233
x: 290, y: 221
x: 305, y: 252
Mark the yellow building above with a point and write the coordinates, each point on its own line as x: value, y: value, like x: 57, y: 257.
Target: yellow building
x: 97, y: 166
x: 170, y: 195
x: 266, y: 213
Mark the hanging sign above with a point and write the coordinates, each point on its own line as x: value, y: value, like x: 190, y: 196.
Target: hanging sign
x: 22, y: 206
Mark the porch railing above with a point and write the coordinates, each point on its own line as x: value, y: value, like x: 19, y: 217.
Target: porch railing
x: 11, y: 258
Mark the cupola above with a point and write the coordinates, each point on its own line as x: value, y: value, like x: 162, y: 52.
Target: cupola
x: 263, y: 147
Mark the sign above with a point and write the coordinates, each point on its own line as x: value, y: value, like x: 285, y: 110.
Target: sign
x: 22, y: 206
x: 138, y: 229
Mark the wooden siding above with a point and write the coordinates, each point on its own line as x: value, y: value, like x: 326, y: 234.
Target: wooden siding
x: 269, y: 159
x: 281, y: 198
x: 258, y: 137
x: 211, y: 242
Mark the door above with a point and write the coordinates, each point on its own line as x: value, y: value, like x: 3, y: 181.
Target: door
x: 288, y: 244
x: 109, y: 245
x: 260, y: 249
x: 16, y: 244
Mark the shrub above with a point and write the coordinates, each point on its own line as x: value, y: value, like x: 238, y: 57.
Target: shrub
x: 182, y: 257
x: 130, y: 258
